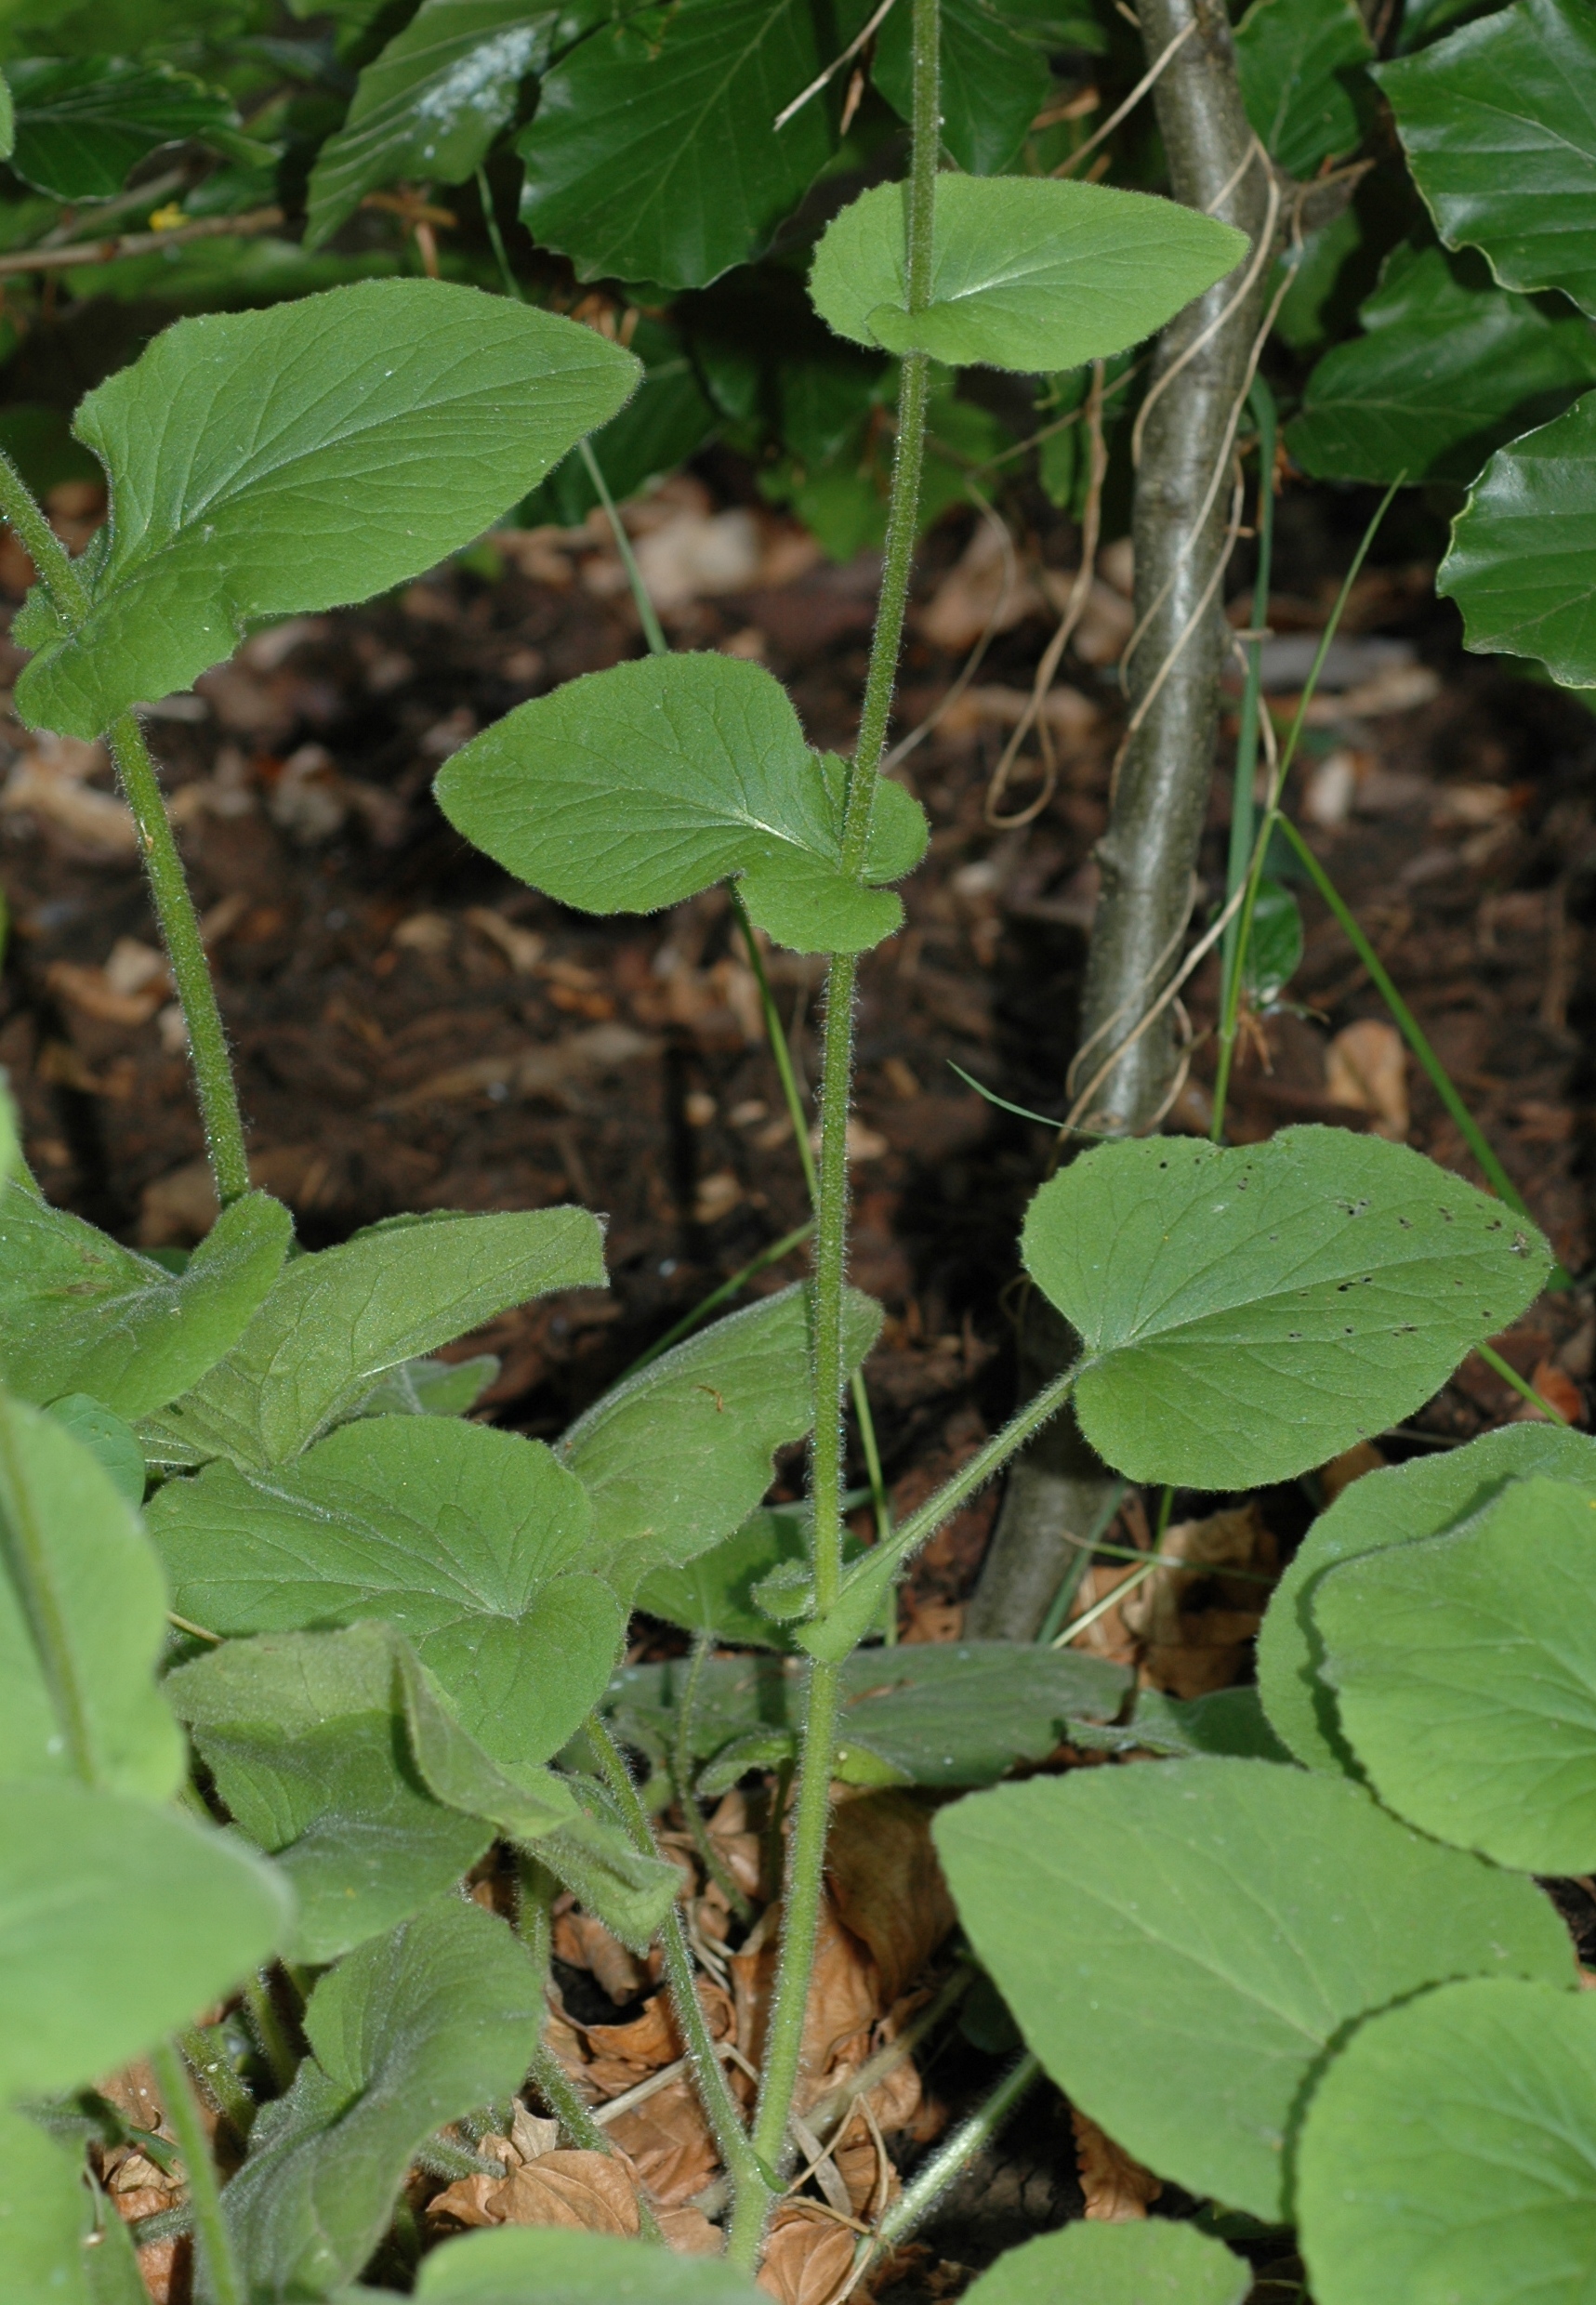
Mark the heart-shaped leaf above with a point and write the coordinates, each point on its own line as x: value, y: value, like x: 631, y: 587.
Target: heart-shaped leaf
x: 474, y: 1544
x: 264, y: 463
x: 1523, y: 563
x: 1246, y: 1314
x: 410, y: 2030
x: 678, y: 1455
x: 1155, y: 2263
x: 1181, y: 1944
x: 1450, y: 2152
x: 1498, y: 126
x: 1027, y: 272
x: 1464, y: 1668
x: 1389, y: 1507
x: 429, y: 107
x: 1299, y: 64
x: 119, y: 1919
x: 627, y: 790
x: 114, y: 1445
x: 1448, y: 370
x: 81, y: 1313
x: 336, y: 1321
x: 83, y: 1618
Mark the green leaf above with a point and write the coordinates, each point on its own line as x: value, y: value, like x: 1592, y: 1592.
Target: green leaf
x: 714, y: 1592
x: 431, y: 1387
x: 114, y: 1445
x: 678, y: 1455
x: 1523, y: 563
x: 627, y: 790
x: 10, y: 1143
x: 929, y: 1714
x: 1264, y: 1908
x: 1464, y: 1668
x: 304, y: 1734
x: 1275, y: 948
x: 1448, y: 370
x: 508, y: 2266
x: 654, y: 154
x: 8, y: 119
x: 81, y: 1313
x: 410, y: 2031
x: 83, y: 1618
x: 1227, y: 1721
x: 1026, y: 273
x: 1155, y: 2262
x: 81, y: 122
x: 1247, y: 1314
x: 336, y: 1321
x: 429, y: 106
x: 593, y: 1856
x: 1389, y: 1507
x: 118, y: 1920
x: 994, y: 81
x: 264, y: 463
x: 476, y: 1545
x: 1499, y: 132
x: 666, y: 420
x: 1450, y: 2153
x: 1299, y: 64
x: 47, y: 2218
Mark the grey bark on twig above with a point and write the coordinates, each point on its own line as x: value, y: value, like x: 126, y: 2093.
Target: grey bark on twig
x: 1149, y: 852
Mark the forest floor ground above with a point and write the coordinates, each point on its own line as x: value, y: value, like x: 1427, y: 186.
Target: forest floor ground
x: 414, y: 1031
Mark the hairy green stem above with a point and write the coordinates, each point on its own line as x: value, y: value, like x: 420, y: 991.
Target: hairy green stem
x: 216, y: 2078
x: 1406, y: 1022
x: 267, y: 2028
x: 791, y: 1092
x: 1242, y: 810
x: 186, y: 951
x: 806, y: 1852
x: 213, y: 2240
x: 168, y: 886
x: 920, y: 2195
x: 1521, y: 1385
x: 720, y: 2105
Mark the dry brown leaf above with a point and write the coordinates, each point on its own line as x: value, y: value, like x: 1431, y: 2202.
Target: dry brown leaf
x: 583, y: 1941
x: 1116, y: 2188
x: 845, y: 1999
x: 1365, y: 1066
x: 1352, y: 1465
x: 1069, y: 716
x: 689, y: 2232
x: 930, y: 1620
x: 985, y: 590
x: 865, y: 2171
x: 49, y: 782
x: 808, y: 2258
x: 588, y: 2191
x: 1193, y: 1631
x: 1556, y: 1386
x: 1107, y: 1635
x: 887, y: 1886
x: 668, y: 2142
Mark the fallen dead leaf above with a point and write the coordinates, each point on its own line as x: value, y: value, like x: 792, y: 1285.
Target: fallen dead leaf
x: 1069, y: 716
x: 51, y: 781
x: 1194, y: 1629
x: 1117, y: 2189
x: 1556, y: 1386
x: 887, y: 1886
x: 693, y: 555
x: 587, y: 2192
x: 1365, y: 1066
x: 808, y: 2258
x: 1352, y: 1465
x: 689, y: 2232
x: 583, y: 1941
x: 985, y: 590
x: 926, y: 1619
x: 668, y: 2142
